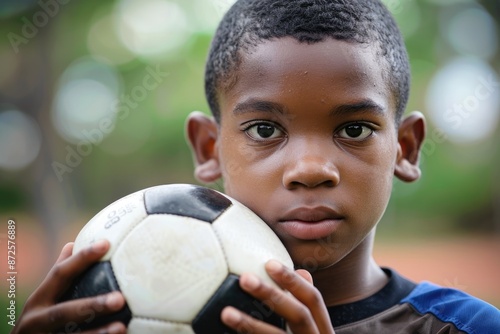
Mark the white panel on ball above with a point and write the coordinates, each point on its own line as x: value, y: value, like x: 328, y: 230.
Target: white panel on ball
x: 151, y: 326
x: 113, y: 223
x: 175, y: 264
x: 248, y: 242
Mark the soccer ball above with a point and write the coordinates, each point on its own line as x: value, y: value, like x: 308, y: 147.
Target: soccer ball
x: 176, y: 255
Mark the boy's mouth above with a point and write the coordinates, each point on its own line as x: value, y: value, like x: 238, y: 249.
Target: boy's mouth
x: 309, y: 223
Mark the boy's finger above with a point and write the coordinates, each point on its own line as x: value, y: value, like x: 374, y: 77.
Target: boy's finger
x: 113, y: 328
x: 243, y: 323
x: 65, y: 271
x: 65, y: 252
x: 301, y: 288
x: 305, y: 275
x: 69, y: 315
x: 297, y: 315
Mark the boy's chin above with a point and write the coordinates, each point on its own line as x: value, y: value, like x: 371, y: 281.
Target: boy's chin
x: 303, y: 259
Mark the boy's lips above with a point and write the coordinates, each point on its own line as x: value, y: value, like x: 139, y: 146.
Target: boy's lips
x: 309, y: 223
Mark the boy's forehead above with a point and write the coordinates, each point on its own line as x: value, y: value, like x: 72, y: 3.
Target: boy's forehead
x: 284, y: 52
x: 331, y: 64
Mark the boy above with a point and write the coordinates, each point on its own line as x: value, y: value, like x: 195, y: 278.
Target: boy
x: 307, y: 98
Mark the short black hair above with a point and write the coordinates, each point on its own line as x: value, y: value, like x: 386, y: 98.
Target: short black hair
x: 250, y: 22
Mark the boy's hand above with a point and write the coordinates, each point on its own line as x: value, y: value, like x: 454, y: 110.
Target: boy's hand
x: 42, y: 313
x: 303, y: 308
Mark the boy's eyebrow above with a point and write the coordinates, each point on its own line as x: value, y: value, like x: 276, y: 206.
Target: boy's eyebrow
x: 258, y: 105
x: 367, y: 105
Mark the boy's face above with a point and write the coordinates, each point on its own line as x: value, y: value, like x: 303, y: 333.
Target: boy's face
x: 308, y: 141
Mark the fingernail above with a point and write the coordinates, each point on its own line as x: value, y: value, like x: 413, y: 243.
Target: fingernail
x: 99, y: 245
x: 115, y: 328
x: 114, y: 300
x: 273, y: 266
x: 251, y: 281
x: 232, y: 316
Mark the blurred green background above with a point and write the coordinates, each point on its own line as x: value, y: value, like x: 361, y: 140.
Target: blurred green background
x: 94, y: 95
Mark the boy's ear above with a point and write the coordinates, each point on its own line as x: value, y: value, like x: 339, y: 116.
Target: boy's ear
x: 411, y: 135
x: 202, y: 134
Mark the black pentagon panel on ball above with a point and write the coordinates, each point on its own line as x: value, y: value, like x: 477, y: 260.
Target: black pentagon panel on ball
x: 230, y: 294
x: 98, y: 279
x: 186, y: 200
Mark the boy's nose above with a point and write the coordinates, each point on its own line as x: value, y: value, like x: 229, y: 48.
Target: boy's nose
x: 310, y: 170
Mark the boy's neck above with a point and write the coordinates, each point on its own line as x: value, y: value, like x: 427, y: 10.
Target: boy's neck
x: 355, y: 277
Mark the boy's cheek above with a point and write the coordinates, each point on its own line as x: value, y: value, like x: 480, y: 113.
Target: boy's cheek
x: 232, y: 170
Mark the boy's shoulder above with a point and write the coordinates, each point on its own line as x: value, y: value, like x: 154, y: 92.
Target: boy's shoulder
x: 424, y: 308
x: 468, y: 314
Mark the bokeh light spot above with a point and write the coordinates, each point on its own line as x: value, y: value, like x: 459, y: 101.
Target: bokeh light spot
x: 20, y: 140
x: 86, y: 100
x: 152, y: 27
x: 463, y: 100
x: 473, y: 32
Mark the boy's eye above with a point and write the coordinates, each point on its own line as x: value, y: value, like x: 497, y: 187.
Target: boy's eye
x: 262, y: 131
x: 355, y: 131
